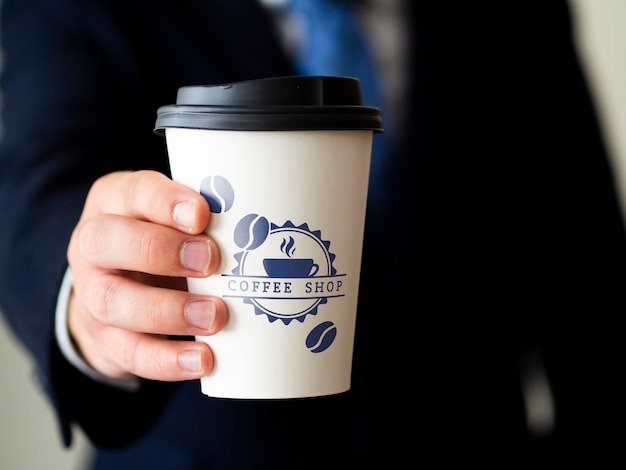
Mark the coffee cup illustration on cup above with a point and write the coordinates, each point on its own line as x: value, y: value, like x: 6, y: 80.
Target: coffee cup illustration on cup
x: 290, y: 267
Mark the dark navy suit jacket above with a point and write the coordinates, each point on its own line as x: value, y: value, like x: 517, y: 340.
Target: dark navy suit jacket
x: 494, y: 231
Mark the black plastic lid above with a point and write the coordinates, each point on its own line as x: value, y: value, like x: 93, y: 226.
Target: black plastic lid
x: 283, y: 103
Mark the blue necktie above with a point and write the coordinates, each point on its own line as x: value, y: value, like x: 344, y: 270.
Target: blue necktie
x: 332, y: 43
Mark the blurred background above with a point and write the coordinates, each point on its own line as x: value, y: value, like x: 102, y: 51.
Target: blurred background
x: 29, y: 435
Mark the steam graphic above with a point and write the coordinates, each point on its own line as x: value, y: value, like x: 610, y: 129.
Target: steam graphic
x: 288, y: 247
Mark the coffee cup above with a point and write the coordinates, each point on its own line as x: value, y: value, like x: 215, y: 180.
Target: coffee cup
x: 284, y: 165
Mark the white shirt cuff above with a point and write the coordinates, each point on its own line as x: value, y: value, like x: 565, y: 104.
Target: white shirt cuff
x: 68, y: 348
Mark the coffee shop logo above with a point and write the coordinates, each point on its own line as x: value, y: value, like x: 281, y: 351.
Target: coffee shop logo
x: 285, y: 271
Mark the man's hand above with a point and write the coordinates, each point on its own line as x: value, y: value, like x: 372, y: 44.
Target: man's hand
x: 139, y: 236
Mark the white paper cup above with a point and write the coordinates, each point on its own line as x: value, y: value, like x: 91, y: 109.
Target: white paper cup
x: 288, y: 195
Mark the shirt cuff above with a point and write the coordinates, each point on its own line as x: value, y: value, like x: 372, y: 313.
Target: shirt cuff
x: 70, y: 351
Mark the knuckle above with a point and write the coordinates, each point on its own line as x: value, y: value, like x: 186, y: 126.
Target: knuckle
x: 129, y: 357
x: 138, y: 194
x: 158, y: 362
x: 145, y: 356
x: 132, y: 189
x: 100, y: 184
x: 154, y: 312
x: 101, y: 296
x: 148, y: 248
x: 90, y: 235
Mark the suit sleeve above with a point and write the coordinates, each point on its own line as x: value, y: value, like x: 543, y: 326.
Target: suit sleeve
x: 64, y: 125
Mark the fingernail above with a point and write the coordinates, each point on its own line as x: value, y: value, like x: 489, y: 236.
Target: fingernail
x: 184, y: 214
x: 190, y: 360
x: 196, y: 255
x: 200, y: 313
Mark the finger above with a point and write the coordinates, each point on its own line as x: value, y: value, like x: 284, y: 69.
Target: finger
x: 124, y: 303
x: 152, y: 357
x: 149, y: 195
x: 124, y: 243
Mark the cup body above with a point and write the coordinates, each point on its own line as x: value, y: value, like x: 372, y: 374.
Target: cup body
x: 288, y: 212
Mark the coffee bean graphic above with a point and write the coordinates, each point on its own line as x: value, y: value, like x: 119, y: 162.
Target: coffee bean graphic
x: 218, y: 192
x: 321, y: 337
x: 251, y: 231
